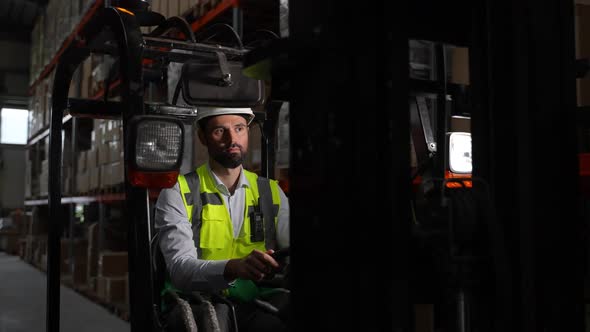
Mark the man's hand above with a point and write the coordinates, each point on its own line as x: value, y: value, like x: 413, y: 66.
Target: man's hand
x: 253, y: 267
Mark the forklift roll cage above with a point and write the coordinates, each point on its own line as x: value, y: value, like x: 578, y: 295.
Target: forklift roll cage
x: 116, y: 31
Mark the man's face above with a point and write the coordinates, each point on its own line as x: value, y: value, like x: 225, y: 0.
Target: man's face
x: 226, y: 138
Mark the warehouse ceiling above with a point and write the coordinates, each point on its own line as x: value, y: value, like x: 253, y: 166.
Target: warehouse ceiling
x: 17, y: 18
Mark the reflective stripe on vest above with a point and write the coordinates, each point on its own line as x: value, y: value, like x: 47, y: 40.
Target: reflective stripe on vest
x: 214, y: 225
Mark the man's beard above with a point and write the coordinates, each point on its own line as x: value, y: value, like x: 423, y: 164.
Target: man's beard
x: 229, y: 160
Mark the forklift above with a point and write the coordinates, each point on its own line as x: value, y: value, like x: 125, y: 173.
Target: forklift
x: 453, y: 225
x: 503, y: 251
x: 210, y: 75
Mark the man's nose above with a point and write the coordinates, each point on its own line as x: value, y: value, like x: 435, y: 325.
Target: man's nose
x: 231, y: 135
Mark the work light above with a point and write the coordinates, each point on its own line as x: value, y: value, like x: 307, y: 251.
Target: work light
x: 156, y: 144
x: 460, y: 152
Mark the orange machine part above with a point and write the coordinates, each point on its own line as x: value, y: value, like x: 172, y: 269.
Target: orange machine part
x: 458, y: 184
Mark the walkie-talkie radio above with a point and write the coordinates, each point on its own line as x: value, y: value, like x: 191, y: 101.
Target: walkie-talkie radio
x: 256, y: 224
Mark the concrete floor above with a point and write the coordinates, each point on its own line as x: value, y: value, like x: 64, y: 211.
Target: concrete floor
x: 23, y: 298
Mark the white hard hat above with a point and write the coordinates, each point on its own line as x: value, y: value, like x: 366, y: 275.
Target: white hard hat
x: 205, y: 112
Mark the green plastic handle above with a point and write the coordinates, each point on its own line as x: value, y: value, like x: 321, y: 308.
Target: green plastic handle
x: 243, y: 290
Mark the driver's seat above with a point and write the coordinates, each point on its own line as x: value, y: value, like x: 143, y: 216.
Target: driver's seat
x: 167, y: 298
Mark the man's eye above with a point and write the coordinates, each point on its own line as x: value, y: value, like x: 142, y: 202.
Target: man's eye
x: 218, y: 131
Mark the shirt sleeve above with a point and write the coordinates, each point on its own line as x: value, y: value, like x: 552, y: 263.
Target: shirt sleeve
x: 187, y: 271
x: 283, y: 236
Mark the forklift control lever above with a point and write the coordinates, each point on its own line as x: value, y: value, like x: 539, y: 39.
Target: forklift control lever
x: 281, y: 253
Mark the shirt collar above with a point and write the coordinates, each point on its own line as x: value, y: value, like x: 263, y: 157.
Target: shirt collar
x: 242, y: 182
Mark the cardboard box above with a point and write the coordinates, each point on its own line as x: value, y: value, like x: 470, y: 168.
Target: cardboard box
x: 185, y: 6
x: 48, y: 99
x: 92, y: 285
x: 105, y: 176
x: 39, y: 248
x: 22, y: 223
x: 424, y: 317
x: 460, y: 65
x: 37, y: 226
x: 112, y: 289
x: 92, y: 236
x: 82, y: 182
x: 159, y: 6
x: 29, y: 248
x: 28, y: 179
x: 112, y: 264
x: 104, y: 154
x: 100, y: 284
x: 82, y: 161
x: 99, y: 132
x: 22, y: 247
x: 80, y: 277
x: 116, y: 132
x: 115, y: 151
x: 173, y: 8
x: 117, y: 173
x: 65, y: 256
x: 91, y: 158
x: 92, y: 255
x: 86, y: 78
x: 73, y: 252
x: 94, y: 178
x: 9, y: 241
x: 461, y: 124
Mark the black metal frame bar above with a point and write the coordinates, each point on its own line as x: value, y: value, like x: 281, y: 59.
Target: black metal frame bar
x: 188, y: 46
x: 175, y: 22
x: 127, y: 36
x: 96, y: 109
x: 63, y: 74
x: 422, y: 131
x: 269, y: 137
x: 442, y: 113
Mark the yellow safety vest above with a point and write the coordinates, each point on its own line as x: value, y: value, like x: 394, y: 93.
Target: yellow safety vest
x: 216, y: 237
